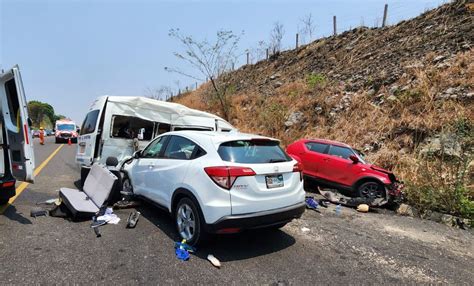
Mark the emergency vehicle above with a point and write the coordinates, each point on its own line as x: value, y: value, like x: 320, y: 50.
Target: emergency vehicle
x: 64, y: 130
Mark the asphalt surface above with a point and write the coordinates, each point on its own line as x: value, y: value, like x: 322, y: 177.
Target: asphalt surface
x: 319, y: 248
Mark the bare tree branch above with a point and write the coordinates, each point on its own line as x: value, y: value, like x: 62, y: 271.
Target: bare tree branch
x: 210, y: 60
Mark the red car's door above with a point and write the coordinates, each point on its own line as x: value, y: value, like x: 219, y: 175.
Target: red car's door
x: 313, y: 158
x: 338, y: 168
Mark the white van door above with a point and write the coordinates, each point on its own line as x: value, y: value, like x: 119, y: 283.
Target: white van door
x: 87, y: 144
x: 14, y: 113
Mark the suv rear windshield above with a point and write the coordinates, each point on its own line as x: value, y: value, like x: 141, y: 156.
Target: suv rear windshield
x: 252, y: 152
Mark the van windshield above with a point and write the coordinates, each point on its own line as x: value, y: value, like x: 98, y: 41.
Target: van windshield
x: 66, y: 127
x: 252, y: 152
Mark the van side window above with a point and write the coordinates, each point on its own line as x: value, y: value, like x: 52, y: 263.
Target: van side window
x: 12, y: 96
x: 88, y: 126
x: 163, y: 128
x: 129, y: 127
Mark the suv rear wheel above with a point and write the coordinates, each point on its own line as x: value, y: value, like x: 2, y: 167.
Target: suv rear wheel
x: 189, y: 223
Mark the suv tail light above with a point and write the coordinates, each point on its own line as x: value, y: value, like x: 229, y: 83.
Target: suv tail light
x: 298, y: 167
x: 225, y: 176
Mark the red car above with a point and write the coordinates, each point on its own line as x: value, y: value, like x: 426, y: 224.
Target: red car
x: 336, y: 165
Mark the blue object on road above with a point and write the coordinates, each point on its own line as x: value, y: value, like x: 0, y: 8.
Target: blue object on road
x: 182, y: 254
x: 311, y: 203
x: 182, y: 250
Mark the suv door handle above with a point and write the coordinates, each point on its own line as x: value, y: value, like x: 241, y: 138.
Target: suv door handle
x: 326, y: 159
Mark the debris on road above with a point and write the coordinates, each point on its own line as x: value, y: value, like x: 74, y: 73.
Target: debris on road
x: 305, y: 229
x: 97, y: 188
x: 126, y: 204
x: 338, y: 209
x: 363, y: 208
x: 55, y: 201
x: 311, y: 203
x: 133, y: 219
x: 37, y: 211
x: 337, y: 198
x: 182, y: 250
x: 214, y: 261
x: 109, y: 217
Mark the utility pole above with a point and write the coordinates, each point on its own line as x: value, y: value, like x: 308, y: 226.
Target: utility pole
x: 384, y: 22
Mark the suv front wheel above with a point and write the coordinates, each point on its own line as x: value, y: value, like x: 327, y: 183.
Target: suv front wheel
x: 189, y: 222
x: 371, y: 190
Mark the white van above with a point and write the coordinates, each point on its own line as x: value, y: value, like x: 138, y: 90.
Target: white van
x: 17, y: 160
x: 117, y: 126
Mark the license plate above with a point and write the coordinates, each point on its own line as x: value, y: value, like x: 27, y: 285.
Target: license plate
x: 275, y: 181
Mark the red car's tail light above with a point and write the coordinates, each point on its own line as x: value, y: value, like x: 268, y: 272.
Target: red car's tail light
x: 298, y: 167
x: 225, y: 176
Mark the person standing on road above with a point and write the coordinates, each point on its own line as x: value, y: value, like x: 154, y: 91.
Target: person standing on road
x: 41, y: 135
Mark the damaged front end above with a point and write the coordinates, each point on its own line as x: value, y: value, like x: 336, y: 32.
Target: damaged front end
x: 394, y: 191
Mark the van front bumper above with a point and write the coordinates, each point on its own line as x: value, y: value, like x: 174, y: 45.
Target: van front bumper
x: 258, y: 220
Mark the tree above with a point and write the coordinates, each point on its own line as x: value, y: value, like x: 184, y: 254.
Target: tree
x: 210, y: 60
x: 308, y: 28
x: 40, y: 112
x: 163, y: 93
x: 276, y: 36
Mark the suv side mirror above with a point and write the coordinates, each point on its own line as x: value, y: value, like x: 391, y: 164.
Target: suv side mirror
x: 137, y: 154
x: 354, y: 159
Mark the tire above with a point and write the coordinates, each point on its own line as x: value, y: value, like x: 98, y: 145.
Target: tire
x: 56, y: 140
x: 127, y: 185
x: 4, y: 201
x: 189, y: 222
x: 371, y: 190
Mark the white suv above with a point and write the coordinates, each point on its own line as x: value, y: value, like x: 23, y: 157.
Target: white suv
x: 218, y: 182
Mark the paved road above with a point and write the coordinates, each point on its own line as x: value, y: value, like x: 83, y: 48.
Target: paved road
x: 351, y: 248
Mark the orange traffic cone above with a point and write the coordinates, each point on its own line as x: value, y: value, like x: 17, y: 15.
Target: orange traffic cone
x: 69, y: 141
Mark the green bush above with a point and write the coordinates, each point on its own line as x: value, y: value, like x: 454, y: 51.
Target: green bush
x: 315, y: 79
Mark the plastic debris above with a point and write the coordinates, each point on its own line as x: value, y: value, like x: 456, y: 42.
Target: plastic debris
x: 37, y: 211
x: 133, y: 219
x: 305, y: 229
x: 109, y: 217
x: 338, y: 209
x: 214, y: 261
x: 182, y: 250
x: 311, y: 203
x: 363, y: 208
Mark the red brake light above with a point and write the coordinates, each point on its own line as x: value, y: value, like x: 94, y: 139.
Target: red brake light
x: 298, y: 167
x: 8, y: 184
x: 225, y: 176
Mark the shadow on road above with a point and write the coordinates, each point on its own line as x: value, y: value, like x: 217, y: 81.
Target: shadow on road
x: 12, y: 214
x: 230, y: 247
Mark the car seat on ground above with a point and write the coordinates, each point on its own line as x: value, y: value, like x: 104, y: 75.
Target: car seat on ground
x: 96, y: 190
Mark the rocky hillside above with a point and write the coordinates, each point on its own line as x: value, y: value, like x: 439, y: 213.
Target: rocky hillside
x: 404, y: 94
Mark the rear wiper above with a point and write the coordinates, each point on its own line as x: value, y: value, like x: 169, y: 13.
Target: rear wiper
x: 277, y: 160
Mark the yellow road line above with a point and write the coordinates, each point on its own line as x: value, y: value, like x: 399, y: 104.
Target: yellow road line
x: 23, y: 185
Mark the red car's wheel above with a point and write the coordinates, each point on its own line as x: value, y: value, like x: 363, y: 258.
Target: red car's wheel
x: 371, y: 190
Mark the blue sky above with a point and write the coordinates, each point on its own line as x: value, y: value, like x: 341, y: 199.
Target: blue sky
x: 72, y: 51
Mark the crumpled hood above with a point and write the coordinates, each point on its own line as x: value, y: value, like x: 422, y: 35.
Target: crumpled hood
x: 373, y: 167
